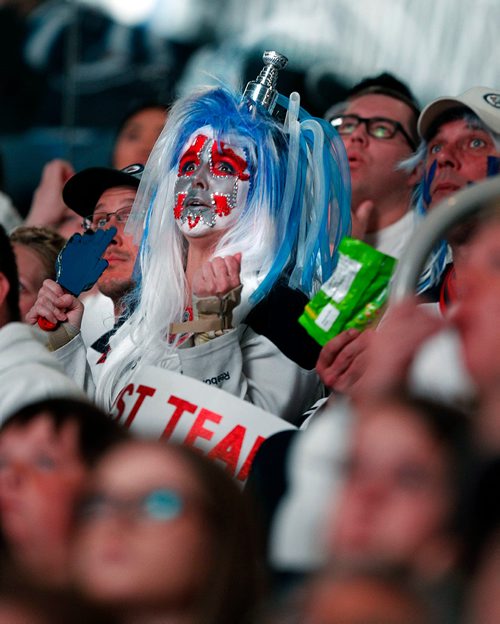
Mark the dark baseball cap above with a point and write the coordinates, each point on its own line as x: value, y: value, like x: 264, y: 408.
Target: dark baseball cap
x: 82, y: 191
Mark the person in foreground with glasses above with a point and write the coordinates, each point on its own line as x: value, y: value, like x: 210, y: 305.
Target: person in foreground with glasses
x: 104, y: 198
x: 164, y: 535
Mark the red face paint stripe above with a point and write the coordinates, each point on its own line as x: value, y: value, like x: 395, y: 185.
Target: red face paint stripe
x: 192, y: 155
x: 193, y: 222
x: 178, y: 206
x: 222, y: 208
x: 226, y: 154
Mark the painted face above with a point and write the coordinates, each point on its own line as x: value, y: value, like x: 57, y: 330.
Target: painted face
x: 211, y: 187
x: 461, y: 153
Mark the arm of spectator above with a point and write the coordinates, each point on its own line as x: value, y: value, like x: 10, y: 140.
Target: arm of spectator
x: 56, y: 305
x: 47, y: 208
x: 392, y: 348
x: 342, y: 360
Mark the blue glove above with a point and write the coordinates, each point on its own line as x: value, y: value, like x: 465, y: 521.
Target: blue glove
x: 79, y: 264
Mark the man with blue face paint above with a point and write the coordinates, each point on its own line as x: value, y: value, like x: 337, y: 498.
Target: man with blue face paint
x: 462, y: 136
x: 460, y: 146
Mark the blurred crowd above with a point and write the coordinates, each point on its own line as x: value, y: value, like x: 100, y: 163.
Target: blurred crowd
x: 376, y: 499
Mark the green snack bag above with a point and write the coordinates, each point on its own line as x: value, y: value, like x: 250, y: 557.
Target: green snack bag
x: 354, y: 293
x: 370, y: 312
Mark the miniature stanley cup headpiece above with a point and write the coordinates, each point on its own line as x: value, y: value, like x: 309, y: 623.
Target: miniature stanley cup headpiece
x: 319, y: 171
x: 262, y: 90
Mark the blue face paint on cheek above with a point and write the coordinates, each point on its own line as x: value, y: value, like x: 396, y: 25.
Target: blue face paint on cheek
x: 493, y: 166
x: 426, y: 184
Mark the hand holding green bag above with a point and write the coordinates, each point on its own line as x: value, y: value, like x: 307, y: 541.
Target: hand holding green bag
x: 353, y: 296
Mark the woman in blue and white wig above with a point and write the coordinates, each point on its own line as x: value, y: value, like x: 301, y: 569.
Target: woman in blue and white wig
x: 279, y: 196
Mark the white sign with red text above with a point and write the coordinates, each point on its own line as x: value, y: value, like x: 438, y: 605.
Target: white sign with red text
x: 162, y: 404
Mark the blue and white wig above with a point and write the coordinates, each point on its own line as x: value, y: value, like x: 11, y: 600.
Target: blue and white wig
x: 441, y: 253
x: 297, y: 211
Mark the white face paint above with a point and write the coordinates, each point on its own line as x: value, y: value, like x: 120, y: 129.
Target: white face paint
x: 212, y: 185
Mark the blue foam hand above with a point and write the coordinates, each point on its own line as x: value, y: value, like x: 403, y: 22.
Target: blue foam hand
x: 79, y: 264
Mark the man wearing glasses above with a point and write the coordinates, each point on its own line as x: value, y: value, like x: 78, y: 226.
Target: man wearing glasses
x: 103, y: 197
x: 378, y: 125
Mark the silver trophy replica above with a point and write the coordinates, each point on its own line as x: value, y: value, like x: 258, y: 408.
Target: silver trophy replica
x: 263, y: 90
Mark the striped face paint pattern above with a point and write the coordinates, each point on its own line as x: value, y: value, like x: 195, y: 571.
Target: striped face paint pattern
x: 212, y: 182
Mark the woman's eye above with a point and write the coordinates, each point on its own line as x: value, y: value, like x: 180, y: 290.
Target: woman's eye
x: 435, y: 149
x: 187, y: 167
x: 225, y: 167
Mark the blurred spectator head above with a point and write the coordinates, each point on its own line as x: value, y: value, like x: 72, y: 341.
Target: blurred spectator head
x: 401, y: 489
x: 36, y: 251
x: 46, y: 449
x: 137, y: 133
x: 162, y: 530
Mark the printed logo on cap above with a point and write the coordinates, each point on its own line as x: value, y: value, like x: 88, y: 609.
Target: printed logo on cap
x: 493, y: 99
x: 134, y: 170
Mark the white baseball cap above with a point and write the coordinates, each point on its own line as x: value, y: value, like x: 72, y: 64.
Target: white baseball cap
x: 483, y: 101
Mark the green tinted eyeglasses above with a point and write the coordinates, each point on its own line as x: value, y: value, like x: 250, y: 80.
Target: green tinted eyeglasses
x: 377, y: 127
x: 160, y: 505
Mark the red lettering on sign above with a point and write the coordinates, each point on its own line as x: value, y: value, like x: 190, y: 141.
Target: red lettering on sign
x: 198, y: 430
x: 245, y: 469
x: 229, y: 448
x: 120, y: 403
x: 181, y: 406
x: 143, y: 392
